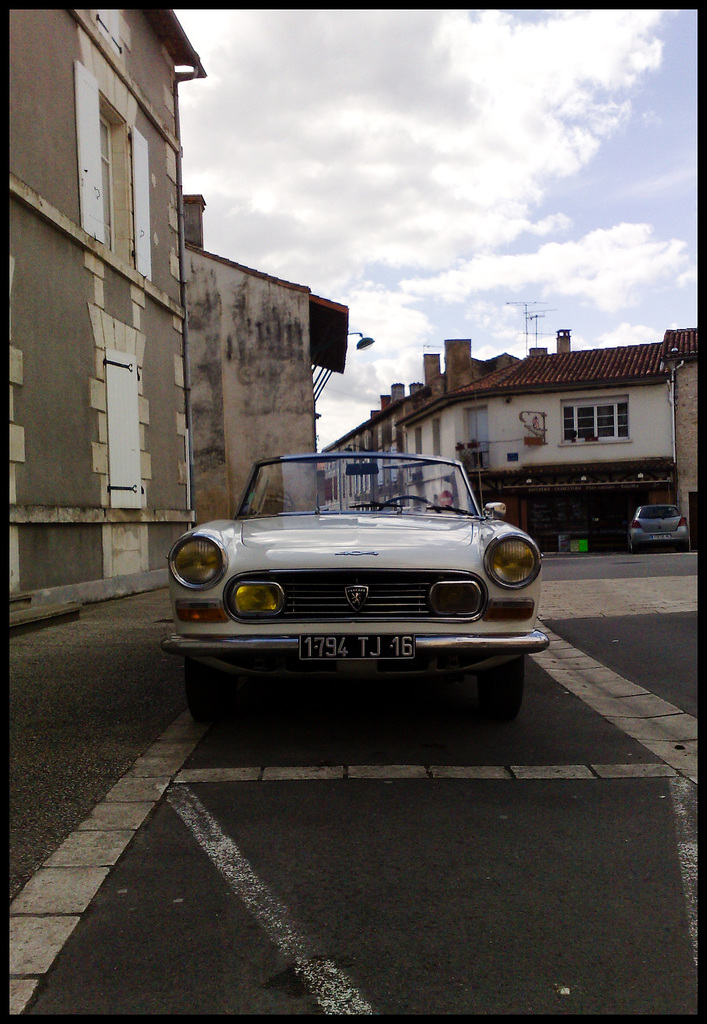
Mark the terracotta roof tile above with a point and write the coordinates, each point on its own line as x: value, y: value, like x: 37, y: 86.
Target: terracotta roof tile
x: 629, y: 363
x: 684, y: 340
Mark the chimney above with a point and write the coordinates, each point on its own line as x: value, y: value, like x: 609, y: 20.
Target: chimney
x: 417, y: 386
x: 537, y: 351
x: 457, y: 362
x: 397, y: 391
x: 563, y: 342
x: 194, y: 207
x: 385, y: 401
x: 431, y: 364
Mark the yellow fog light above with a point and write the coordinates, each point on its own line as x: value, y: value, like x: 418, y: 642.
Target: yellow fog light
x: 255, y: 598
x: 197, y: 561
x: 456, y: 597
x: 512, y: 561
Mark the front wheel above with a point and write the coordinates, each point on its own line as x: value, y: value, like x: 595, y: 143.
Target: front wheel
x: 205, y: 690
x: 501, y: 690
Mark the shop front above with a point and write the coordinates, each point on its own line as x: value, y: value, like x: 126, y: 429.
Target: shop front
x: 580, y: 509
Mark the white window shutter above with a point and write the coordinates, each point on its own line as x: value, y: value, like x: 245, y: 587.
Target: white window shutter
x: 89, y: 152
x: 109, y: 26
x: 141, y: 203
x: 123, y: 430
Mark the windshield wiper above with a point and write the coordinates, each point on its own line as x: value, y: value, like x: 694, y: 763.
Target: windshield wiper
x: 450, y: 508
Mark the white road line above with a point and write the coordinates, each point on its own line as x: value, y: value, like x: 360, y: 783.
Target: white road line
x: 390, y: 772
x: 329, y: 986
x: 684, y: 797
x: 661, y: 727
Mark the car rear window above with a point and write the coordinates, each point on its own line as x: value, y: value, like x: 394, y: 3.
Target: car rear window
x: 657, y: 512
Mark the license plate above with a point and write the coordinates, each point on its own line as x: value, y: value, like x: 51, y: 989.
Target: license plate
x: 660, y: 536
x: 352, y: 647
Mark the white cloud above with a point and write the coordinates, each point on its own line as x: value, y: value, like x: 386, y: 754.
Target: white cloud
x: 425, y: 167
x: 609, y: 268
x: 341, y: 146
x: 623, y: 334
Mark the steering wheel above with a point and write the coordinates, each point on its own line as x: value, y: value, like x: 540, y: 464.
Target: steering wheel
x: 402, y: 497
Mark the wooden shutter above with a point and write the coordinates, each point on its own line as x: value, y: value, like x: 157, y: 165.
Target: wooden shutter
x: 123, y: 431
x: 89, y: 152
x: 141, y: 203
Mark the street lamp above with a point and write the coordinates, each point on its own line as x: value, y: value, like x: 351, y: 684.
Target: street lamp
x: 323, y: 374
x: 363, y: 342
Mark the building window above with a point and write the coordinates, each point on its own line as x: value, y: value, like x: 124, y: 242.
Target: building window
x: 418, y: 440
x: 436, y: 439
x: 114, y: 176
x: 595, y: 421
x: 107, y: 182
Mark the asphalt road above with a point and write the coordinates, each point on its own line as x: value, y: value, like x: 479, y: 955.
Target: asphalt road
x: 360, y: 851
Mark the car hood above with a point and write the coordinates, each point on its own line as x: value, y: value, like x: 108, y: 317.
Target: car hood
x: 371, y: 540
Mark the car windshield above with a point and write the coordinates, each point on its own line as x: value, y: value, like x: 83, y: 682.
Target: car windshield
x: 358, y: 482
x: 658, y: 512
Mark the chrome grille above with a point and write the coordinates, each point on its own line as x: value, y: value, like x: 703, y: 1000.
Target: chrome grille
x: 321, y: 595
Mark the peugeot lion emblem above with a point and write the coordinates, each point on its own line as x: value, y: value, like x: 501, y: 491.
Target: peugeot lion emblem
x: 356, y: 596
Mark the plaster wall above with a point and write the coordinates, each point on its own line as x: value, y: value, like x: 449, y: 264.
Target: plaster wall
x: 251, y: 376
x: 649, y: 427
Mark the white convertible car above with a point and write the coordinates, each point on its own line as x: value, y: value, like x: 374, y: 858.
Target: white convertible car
x: 338, y: 563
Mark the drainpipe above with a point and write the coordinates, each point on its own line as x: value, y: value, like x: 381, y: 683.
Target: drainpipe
x: 674, y: 367
x: 182, y: 76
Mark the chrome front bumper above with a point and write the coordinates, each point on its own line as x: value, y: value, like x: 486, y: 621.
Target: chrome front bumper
x: 221, y: 646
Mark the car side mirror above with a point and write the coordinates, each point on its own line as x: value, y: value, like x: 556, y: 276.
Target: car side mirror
x: 495, y: 510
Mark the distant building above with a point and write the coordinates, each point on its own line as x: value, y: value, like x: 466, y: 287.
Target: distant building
x: 253, y: 342
x: 99, y: 483
x: 571, y: 442
x: 383, y: 431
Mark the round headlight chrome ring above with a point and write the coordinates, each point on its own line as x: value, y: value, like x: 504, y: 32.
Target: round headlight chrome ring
x: 211, y: 549
x: 513, y: 560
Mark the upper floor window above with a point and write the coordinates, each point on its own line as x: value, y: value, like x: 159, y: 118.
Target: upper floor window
x: 107, y: 181
x: 436, y: 437
x: 595, y: 420
x: 114, y: 176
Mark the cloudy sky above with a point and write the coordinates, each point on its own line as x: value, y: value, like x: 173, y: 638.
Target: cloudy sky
x: 435, y: 170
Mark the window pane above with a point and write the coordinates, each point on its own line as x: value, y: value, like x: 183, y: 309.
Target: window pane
x: 605, y: 421
x: 585, y: 421
x: 105, y: 179
x: 622, y: 416
x: 568, y: 422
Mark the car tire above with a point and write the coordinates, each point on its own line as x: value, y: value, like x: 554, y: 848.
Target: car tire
x: 501, y: 690
x: 205, y: 690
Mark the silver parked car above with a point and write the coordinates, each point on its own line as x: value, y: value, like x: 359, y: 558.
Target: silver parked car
x: 657, y: 526
x: 368, y: 563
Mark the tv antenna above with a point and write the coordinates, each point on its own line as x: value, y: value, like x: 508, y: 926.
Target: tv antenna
x: 536, y: 317
x: 530, y: 316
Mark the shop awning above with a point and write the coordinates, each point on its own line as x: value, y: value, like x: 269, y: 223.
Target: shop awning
x: 590, y: 476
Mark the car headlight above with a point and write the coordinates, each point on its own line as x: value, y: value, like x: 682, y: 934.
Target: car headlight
x: 250, y: 599
x: 197, y: 561
x: 456, y: 597
x: 512, y: 561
